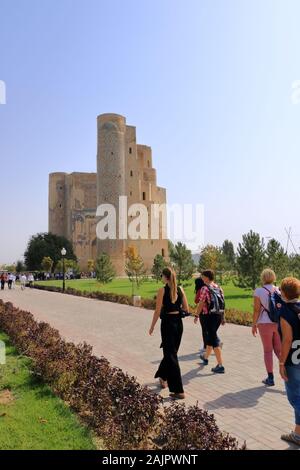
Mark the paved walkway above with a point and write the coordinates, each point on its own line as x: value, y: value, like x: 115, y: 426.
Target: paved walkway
x: 240, y: 403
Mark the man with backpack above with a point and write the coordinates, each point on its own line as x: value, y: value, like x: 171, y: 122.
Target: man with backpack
x: 211, y: 307
x: 265, y: 321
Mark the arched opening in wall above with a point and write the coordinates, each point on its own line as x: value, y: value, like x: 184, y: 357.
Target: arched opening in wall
x: 130, y: 193
x: 60, y: 206
x: 144, y: 196
x: 163, y: 252
x: 131, y: 173
x: 130, y: 150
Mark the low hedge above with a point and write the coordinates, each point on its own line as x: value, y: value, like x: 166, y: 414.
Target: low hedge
x: 125, y: 414
x: 232, y: 315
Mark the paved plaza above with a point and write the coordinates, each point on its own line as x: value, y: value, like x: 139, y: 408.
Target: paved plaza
x: 241, y: 404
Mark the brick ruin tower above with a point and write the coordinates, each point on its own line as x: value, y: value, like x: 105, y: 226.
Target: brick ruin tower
x: 124, y: 168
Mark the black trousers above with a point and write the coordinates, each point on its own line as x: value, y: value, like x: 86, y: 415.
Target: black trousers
x: 2, y: 285
x: 171, y: 334
x: 9, y: 284
x: 211, y: 324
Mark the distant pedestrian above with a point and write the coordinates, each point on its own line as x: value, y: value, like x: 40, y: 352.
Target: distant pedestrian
x: 10, y: 280
x: 3, y: 280
x: 170, y: 303
x: 289, y: 362
x: 212, y: 308
x: 23, y: 281
x: 30, y: 280
x: 268, y: 330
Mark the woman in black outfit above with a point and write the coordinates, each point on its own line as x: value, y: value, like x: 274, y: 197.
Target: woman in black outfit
x: 171, y: 300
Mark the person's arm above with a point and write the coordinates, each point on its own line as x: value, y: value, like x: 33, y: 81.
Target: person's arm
x: 256, y: 313
x: 156, y: 314
x: 287, y: 339
x: 185, y: 304
x: 198, y: 311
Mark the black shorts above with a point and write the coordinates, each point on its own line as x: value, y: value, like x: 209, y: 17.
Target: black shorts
x: 211, y: 323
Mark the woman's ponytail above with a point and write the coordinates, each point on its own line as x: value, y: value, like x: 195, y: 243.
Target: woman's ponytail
x: 170, y: 274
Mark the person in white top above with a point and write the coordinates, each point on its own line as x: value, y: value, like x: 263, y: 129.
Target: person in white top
x: 30, y: 279
x: 23, y: 280
x: 10, y: 280
x: 268, y: 330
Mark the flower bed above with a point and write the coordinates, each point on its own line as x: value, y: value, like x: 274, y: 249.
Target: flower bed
x: 125, y: 414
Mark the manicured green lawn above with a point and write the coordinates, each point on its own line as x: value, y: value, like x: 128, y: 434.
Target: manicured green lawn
x: 31, y: 416
x: 238, y: 298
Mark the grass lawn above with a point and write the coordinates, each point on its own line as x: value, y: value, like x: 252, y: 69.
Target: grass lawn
x: 31, y: 416
x: 240, y: 299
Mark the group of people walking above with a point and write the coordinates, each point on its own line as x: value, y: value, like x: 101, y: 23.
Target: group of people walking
x: 10, y: 279
x: 276, y: 317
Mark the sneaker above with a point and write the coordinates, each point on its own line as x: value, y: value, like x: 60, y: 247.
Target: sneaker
x: 218, y: 369
x: 203, y: 359
x: 268, y: 382
x: 292, y: 437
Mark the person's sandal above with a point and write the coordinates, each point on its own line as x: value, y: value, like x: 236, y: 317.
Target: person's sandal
x: 163, y: 383
x: 177, y: 396
x: 291, y: 438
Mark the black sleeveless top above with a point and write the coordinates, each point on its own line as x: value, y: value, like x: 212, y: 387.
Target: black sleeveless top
x: 168, y: 305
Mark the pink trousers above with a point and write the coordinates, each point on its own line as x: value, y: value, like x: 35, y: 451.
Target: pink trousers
x: 271, y: 342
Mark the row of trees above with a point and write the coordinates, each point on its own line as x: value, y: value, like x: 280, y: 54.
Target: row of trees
x: 243, y: 266
x: 251, y: 257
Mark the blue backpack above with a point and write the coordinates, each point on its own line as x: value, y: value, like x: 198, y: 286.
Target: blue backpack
x: 274, y: 306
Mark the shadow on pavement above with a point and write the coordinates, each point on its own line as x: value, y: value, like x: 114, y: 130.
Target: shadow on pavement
x: 242, y: 399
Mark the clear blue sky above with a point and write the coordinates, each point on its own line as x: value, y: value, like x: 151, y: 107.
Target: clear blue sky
x: 207, y: 83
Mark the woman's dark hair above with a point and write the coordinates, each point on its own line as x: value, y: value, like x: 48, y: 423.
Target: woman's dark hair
x: 209, y: 273
x: 199, y: 283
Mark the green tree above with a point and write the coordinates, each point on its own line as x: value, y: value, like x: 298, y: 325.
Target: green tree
x: 181, y: 258
x: 250, y: 259
x: 91, y: 265
x: 277, y: 259
x: 105, y: 271
x: 47, y: 264
x: 210, y: 258
x: 70, y: 265
x: 159, y: 264
x: 228, y: 255
x: 46, y: 244
x: 134, y: 268
x: 20, y: 267
x: 294, y: 265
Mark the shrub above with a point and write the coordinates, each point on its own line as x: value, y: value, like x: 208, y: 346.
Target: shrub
x: 125, y: 414
x: 191, y: 428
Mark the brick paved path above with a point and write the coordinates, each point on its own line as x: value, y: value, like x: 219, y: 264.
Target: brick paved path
x: 242, y: 405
